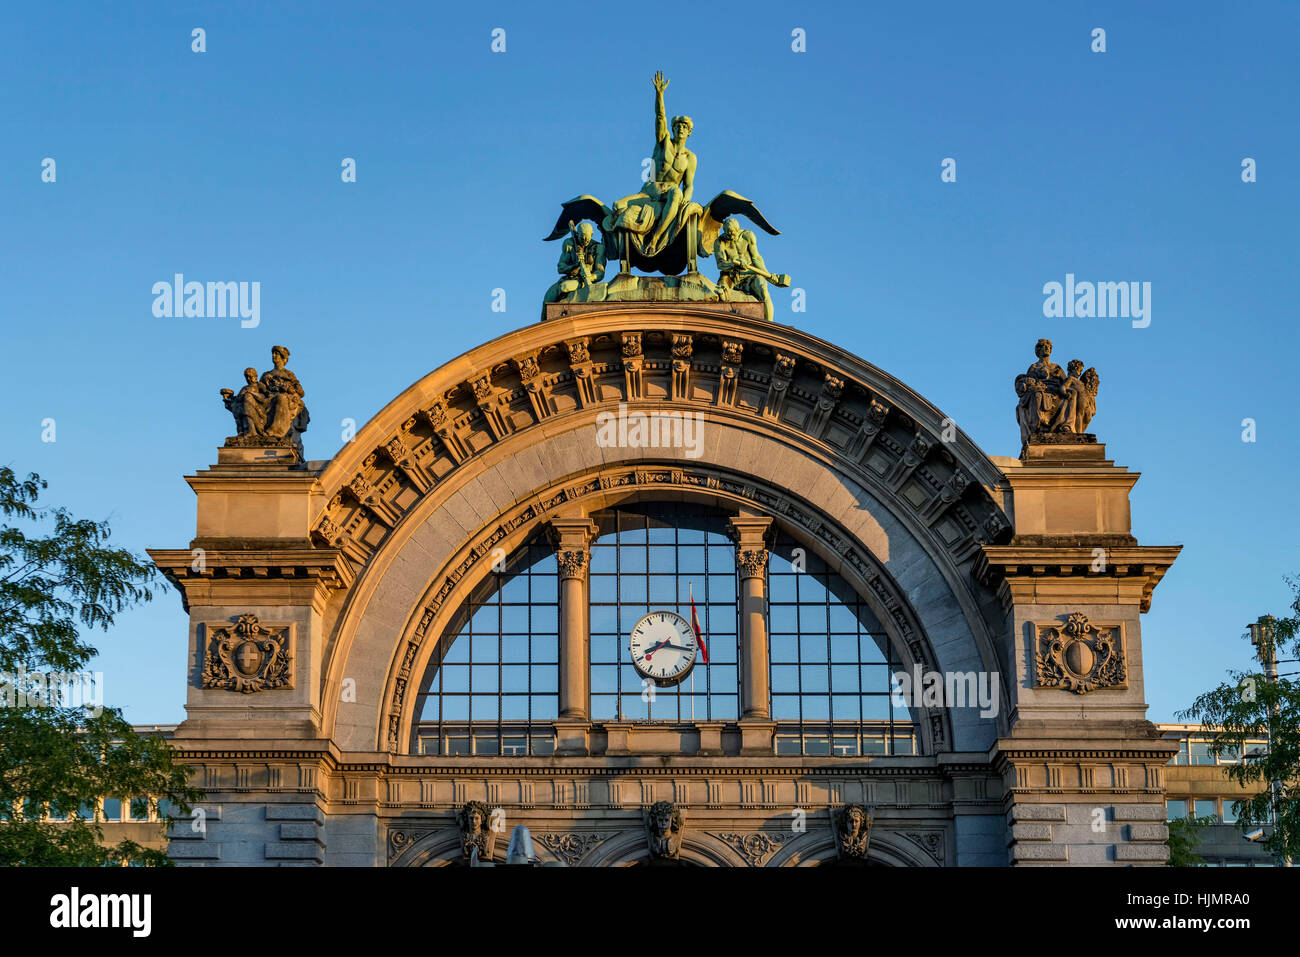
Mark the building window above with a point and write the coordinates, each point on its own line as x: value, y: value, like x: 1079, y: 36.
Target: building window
x: 831, y: 663
x: 111, y: 809
x: 1200, y: 752
x: 656, y: 556
x: 1207, y: 807
x: 492, y: 687
x: 1175, y: 809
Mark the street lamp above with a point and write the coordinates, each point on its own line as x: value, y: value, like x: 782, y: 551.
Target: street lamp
x: 1263, y: 635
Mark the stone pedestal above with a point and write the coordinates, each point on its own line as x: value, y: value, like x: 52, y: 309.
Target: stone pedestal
x: 1081, y: 763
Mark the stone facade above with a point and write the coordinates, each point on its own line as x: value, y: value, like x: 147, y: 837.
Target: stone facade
x: 971, y: 564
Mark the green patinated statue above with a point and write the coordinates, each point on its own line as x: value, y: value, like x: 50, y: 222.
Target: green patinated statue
x: 582, y: 263
x: 741, y: 268
x: 660, y: 228
x: 653, y: 217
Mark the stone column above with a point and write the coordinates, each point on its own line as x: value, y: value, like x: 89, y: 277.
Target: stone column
x: 572, y: 538
x: 751, y: 562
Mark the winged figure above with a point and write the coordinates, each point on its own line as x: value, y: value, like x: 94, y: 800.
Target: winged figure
x: 660, y: 229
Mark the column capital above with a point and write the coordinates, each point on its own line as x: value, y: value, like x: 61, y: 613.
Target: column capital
x: 573, y: 562
x: 751, y: 561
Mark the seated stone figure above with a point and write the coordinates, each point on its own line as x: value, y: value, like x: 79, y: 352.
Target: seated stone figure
x: 582, y: 263
x: 270, y: 411
x: 1078, y: 400
x: 1052, y: 401
x: 741, y: 268
x: 248, y: 406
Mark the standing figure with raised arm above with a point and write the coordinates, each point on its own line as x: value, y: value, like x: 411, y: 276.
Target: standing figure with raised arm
x: 658, y: 212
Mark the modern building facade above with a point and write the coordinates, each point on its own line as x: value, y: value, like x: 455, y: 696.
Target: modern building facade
x: 397, y: 655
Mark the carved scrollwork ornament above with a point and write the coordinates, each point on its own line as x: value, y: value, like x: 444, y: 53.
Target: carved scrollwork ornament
x: 247, y: 657
x: 1080, y: 656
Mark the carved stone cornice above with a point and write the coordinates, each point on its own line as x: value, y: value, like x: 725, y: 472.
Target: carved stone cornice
x: 882, y: 432
x: 1029, y: 573
x: 221, y: 573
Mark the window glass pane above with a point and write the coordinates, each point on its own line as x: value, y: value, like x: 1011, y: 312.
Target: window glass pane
x: 546, y: 678
x: 785, y: 649
x: 875, y: 707
x: 844, y: 707
x: 514, y: 620
x: 690, y: 559
x: 812, y: 648
x: 783, y: 619
x: 1175, y: 808
x: 818, y: 744
x: 633, y: 590
x: 483, y: 678
x: 514, y: 708
x: 514, y: 678
x: 603, y: 559
x: 1229, y: 814
x: 604, y: 678
x: 455, y: 678
x: 545, y: 590
x: 112, y: 809
x: 604, y: 589
x: 814, y: 678
x: 1207, y: 808
x: 663, y: 590
x: 781, y: 588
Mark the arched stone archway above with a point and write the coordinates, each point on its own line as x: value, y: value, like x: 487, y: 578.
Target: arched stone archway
x: 352, y: 565
x: 887, y: 500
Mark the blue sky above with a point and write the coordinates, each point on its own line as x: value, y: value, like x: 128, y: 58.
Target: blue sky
x: 1123, y: 165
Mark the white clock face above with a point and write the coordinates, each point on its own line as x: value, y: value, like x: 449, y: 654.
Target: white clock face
x: 663, y: 648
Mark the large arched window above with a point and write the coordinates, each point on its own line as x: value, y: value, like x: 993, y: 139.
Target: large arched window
x: 492, y: 687
x: 831, y: 663
x: 655, y: 556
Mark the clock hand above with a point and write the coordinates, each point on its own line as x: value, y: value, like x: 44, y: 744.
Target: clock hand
x: 655, y: 648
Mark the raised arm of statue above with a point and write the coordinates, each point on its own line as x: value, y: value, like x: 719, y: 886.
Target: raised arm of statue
x: 661, y: 116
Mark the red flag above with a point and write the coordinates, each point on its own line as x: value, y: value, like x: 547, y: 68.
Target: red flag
x: 699, y: 633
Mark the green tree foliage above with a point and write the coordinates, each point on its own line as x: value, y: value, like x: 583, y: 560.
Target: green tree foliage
x: 1184, y: 837
x: 58, y: 577
x: 1252, y: 706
